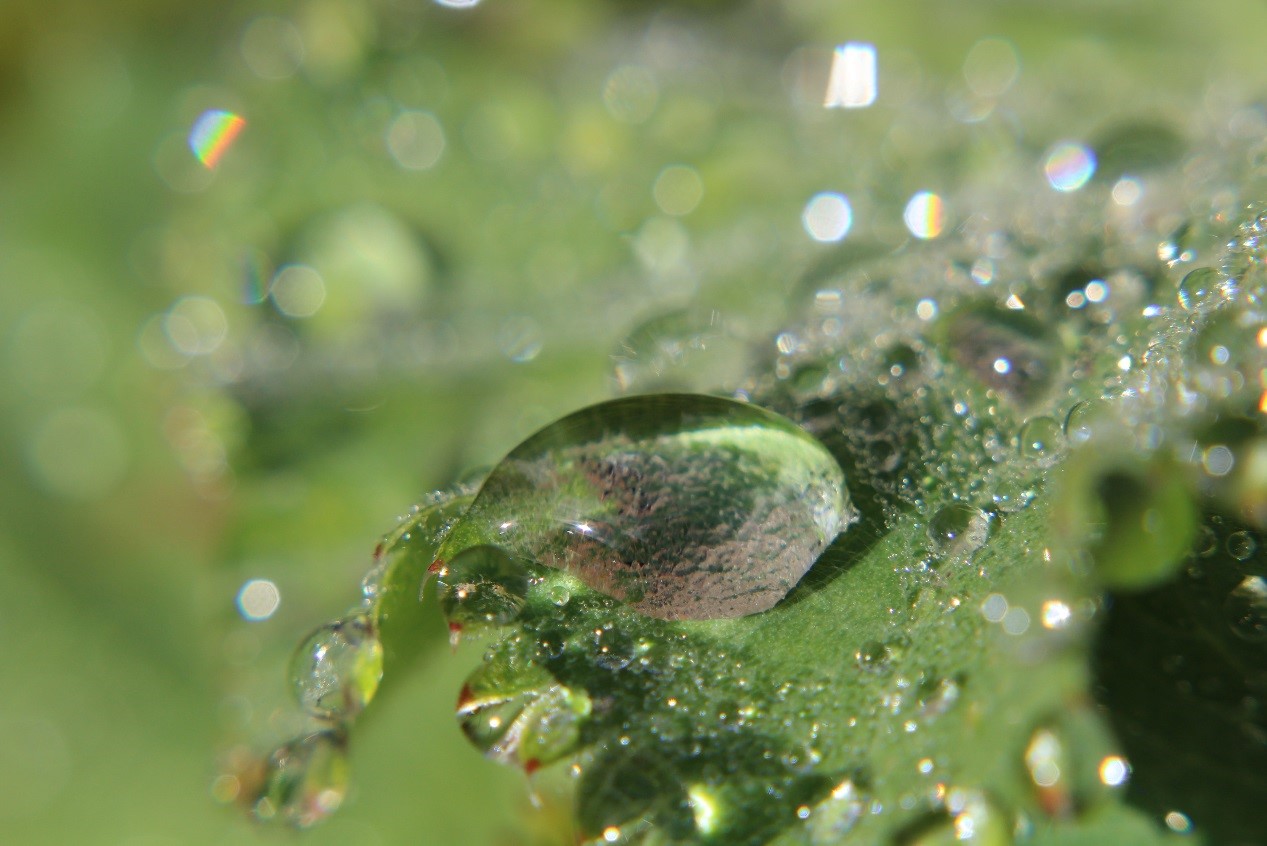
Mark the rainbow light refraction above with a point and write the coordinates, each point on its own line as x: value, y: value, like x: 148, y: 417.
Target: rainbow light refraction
x: 214, y: 131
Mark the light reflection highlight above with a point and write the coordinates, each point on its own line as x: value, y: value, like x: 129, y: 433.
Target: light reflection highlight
x: 213, y: 133
x: 1069, y: 165
x: 827, y: 217
x: 852, y: 83
x: 258, y: 599
x: 925, y: 215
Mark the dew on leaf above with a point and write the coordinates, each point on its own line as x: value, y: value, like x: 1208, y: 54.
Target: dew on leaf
x: 1040, y: 440
x: 481, y: 585
x: 515, y: 712
x: 969, y: 817
x: 1205, y: 288
x: 957, y: 530
x: 303, y: 781
x: 336, y: 669
x: 1247, y: 609
x: 1241, y: 545
x: 1005, y: 349
x: 685, y: 506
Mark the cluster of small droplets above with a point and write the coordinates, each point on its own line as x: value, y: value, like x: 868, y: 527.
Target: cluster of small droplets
x: 335, y: 673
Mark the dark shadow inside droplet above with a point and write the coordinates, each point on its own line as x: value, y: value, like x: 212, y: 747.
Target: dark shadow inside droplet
x: 1187, y: 696
x: 1135, y: 147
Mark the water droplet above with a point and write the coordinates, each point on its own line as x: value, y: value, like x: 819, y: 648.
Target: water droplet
x: 688, y: 507
x: 1247, y: 607
x: 1005, y: 349
x: 337, y: 668
x: 875, y: 657
x: 1204, y: 288
x: 958, y: 530
x: 1040, y: 441
x: 682, y: 350
x: 482, y: 585
x: 836, y: 815
x: 1081, y: 420
x: 1241, y: 545
x: 515, y: 712
x: 303, y: 781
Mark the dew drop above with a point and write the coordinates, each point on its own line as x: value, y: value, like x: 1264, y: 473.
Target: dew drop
x: 969, y: 817
x: 515, y: 712
x: 958, y: 530
x: 681, y: 350
x: 480, y: 586
x: 1005, y: 349
x: 1247, y: 609
x: 1241, y: 545
x: 1040, y: 440
x: 303, y: 781
x: 1205, y: 288
x: 685, y: 506
x: 336, y: 669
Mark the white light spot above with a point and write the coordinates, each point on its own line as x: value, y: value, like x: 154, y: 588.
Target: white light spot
x: 852, y: 84
x: 1114, y: 771
x: 827, y: 217
x: 704, y: 807
x: 611, y: 834
x: 1097, y: 291
x: 258, y: 599
x: 1218, y: 460
x: 1056, y: 614
x: 1002, y: 365
x: 926, y: 309
x: 1178, y: 822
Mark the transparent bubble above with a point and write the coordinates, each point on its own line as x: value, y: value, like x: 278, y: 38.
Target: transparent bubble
x: 482, y: 585
x: 1204, y: 288
x: 686, y: 506
x: 1247, y: 608
x: 958, y: 530
x: 1040, y: 440
x: 336, y: 670
x: 1241, y: 545
x: 304, y: 781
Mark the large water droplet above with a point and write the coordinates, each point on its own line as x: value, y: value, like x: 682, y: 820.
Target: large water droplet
x: 688, y: 507
x: 958, y: 530
x: 337, y: 668
x: 1005, y: 349
x: 303, y: 781
x: 1247, y: 609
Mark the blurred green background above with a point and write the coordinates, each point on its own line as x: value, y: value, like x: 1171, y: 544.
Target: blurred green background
x: 435, y: 227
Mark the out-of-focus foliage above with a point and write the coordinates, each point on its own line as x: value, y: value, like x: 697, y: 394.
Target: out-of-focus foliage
x: 434, y: 227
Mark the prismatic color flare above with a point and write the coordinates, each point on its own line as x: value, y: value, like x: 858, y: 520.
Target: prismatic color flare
x: 213, y: 133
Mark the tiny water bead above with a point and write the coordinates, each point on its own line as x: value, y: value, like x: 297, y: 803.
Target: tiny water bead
x: 958, y: 530
x: 1205, y: 288
x: 481, y: 585
x: 685, y: 506
x: 1040, y: 440
x: 303, y: 781
x: 337, y: 668
x: 1247, y: 609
